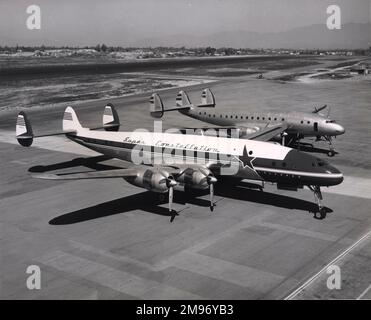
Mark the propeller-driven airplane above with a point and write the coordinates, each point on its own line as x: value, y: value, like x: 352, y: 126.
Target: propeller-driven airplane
x: 162, y: 161
x: 290, y: 127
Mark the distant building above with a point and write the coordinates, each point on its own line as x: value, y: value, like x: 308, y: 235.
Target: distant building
x: 360, y: 69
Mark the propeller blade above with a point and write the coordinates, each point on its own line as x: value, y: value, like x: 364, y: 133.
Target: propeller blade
x: 171, y: 193
x: 328, y: 112
x: 211, y: 196
x: 316, y: 110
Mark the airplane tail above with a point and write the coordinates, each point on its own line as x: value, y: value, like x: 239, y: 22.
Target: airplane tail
x: 156, y: 107
x: 182, y: 99
x: 207, y: 99
x: 182, y: 102
x: 111, y: 121
x: 70, y: 121
x: 24, y: 133
x: 23, y: 130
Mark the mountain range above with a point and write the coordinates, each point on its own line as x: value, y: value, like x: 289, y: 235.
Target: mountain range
x: 350, y: 36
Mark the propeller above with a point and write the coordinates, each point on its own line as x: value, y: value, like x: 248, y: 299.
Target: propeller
x: 211, y: 180
x: 316, y: 110
x: 283, y: 135
x: 328, y: 112
x: 171, y: 183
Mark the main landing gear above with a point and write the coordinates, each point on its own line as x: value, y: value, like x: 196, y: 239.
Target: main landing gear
x: 318, y: 197
x: 331, y: 152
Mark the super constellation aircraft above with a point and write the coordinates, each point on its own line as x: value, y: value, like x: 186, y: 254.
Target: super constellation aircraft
x: 192, y: 161
x: 288, y: 128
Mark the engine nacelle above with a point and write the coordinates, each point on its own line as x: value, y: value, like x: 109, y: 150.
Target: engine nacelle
x: 152, y: 180
x: 195, y: 178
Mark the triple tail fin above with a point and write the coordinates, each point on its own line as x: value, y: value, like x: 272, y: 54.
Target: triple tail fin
x: 24, y: 133
x: 207, y: 98
x: 182, y: 99
x: 23, y: 130
x: 70, y: 121
x: 156, y: 107
x: 111, y: 121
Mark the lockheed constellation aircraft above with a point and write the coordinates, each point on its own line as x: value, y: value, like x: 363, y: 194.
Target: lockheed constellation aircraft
x: 189, y: 160
x: 291, y: 127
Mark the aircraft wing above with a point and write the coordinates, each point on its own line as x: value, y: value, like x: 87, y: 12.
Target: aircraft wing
x: 267, y: 133
x: 116, y: 173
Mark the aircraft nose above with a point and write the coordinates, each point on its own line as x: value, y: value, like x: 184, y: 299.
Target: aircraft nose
x: 339, y: 129
x: 336, y: 175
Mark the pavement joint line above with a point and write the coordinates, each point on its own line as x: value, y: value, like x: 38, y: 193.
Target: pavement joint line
x: 315, y: 276
x: 364, y: 292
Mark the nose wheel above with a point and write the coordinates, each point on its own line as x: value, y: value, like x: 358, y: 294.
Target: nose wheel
x: 331, y: 152
x: 321, y: 213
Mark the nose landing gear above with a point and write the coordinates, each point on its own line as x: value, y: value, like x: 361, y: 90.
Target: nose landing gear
x: 331, y: 152
x: 318, y: 197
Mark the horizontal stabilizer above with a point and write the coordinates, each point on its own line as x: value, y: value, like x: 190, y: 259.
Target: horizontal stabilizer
x: 156, y: 106
x: 24, y: 133
x: 116, y: 173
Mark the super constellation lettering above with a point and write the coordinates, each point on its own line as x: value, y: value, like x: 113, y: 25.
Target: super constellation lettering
x: 192, y: 146
x: 133, y: 141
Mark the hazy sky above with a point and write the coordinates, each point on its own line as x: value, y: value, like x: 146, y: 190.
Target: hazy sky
x: 121, y: 22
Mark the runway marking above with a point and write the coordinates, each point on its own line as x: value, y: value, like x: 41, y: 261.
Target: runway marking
x: 305, y: 232
x: 227, y: 271
x: 314, y: 277
x: 112, y: 278
x: 108, y: 254
x: 204, y: 265
x: 364, y: 292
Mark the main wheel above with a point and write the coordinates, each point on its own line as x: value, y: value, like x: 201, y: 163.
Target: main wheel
x: 331, y: 153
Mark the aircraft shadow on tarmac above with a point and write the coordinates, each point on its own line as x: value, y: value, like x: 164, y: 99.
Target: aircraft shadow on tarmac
x: 92, y: 163
x: 150, y: 202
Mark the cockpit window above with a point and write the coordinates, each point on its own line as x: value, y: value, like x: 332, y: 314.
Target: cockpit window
x: 330, y: 121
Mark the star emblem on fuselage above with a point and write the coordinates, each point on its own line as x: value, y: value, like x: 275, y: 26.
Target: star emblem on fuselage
x: 246, y: 160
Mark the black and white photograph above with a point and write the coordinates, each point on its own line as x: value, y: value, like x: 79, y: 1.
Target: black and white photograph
x: 196, y: 152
